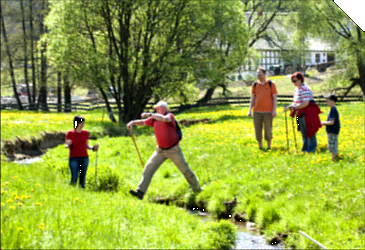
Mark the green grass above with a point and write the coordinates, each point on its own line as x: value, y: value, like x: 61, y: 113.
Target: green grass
x: 275, y: 189
x: 58, y: 216
x: 27, y: 124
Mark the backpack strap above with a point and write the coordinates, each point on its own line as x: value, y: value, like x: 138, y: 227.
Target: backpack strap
x: 270, y: 82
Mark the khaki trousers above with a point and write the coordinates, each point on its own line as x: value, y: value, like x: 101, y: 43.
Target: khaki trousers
x: 158, y: 157
x: 258, y: 119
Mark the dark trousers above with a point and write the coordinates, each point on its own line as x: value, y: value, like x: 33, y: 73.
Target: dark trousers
x: 78, y: 165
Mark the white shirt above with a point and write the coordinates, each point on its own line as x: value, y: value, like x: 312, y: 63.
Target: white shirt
x: 304, y: 93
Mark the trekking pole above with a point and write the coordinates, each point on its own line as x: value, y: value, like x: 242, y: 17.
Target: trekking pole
x: 130, y: 131
x: 68, y: 174
x: 295, y: 139
x: 96, y: 168
x: 286, y: 130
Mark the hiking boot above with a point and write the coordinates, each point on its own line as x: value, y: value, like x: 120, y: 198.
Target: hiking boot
x: 138, y: 194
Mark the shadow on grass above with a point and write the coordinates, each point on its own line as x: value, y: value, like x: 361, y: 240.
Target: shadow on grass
x: 209, y: 109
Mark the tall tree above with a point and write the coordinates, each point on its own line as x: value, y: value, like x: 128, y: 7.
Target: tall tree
x: 263, y: 24
x: 325, y: 20
x: 20, y: 106
x: 32, y: 50
x: 43, y: 49
x: 142, y: 49
x: 25, y: 51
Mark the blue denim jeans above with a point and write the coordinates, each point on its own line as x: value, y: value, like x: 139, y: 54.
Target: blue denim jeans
x: 78, y: 165
x: 309, y: 144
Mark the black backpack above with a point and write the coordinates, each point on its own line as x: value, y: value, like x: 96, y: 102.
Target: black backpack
x: 178, y: 129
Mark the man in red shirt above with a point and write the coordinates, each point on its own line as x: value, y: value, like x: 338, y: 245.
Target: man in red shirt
x: 168, y: 148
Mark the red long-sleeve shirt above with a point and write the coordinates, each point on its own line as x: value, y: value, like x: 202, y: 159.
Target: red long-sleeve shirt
x: 312, y: 121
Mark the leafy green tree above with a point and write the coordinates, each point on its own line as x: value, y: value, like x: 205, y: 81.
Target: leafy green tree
x: 325, y: 20
x: 143, y: 49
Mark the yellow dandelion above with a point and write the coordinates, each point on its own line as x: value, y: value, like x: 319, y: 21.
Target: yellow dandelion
x: 9, y: 201
x: 20, y: 204
x: 20, y: 229
x: 12, y: 207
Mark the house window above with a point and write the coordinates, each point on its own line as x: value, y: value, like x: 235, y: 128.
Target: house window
x: 318, y: 58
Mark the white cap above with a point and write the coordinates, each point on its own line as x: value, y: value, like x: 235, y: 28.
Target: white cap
x: 160, y: 104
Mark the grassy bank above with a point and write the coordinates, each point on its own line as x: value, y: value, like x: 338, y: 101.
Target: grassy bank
x: 40, y: 211
x: 307, y: 192
x: 26, y: 124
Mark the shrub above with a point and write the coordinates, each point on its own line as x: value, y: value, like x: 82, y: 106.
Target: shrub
x: 223, y: 235
x: 267, y: 215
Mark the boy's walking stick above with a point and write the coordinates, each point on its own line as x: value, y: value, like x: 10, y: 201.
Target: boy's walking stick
x: 96, y: 168
x: 130, y: 131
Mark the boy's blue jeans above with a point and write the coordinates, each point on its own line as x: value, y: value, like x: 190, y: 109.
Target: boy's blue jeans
x: 78, y: 165
x: 309, y: 144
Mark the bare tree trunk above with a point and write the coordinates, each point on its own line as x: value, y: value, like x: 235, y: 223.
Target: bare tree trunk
x: 25, y: 52
x: 208, y: 96
x: 32, y: 51
x: 59, y: 92
x: 20, y: 106
x: 67, y: 94
x: 43, y: 90
x: 105, y: 97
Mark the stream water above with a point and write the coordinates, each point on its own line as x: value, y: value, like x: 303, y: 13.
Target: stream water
x: 29, y: 160
x: 247, y: 238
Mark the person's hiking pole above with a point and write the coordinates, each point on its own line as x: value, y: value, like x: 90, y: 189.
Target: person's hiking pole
x: 68, y: 175
x: 286, y: 130
x: 96, y: 168
x: 130, y: 131
x: 295, y: 139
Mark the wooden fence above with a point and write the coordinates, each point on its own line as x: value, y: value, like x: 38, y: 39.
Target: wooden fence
x: 89, y: 105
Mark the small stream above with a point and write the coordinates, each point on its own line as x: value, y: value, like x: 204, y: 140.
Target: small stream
x: 247, y: 236
x: 29, y: 160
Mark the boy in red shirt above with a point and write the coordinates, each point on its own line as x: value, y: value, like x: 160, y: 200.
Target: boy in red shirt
x: 168, y: 148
